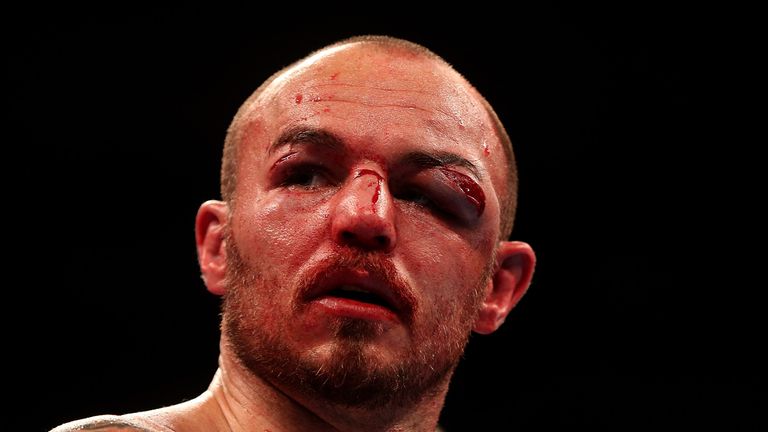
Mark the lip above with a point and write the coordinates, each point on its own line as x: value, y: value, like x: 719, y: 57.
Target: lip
x: 398, y: 305
x: 348, y: 308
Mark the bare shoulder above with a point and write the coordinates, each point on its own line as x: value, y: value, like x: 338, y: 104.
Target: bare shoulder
x: 109, y: 423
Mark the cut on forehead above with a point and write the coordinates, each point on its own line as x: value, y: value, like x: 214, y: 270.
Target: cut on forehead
x: 398, y: 49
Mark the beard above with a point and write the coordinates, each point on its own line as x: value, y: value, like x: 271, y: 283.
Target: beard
x: 350, y: 373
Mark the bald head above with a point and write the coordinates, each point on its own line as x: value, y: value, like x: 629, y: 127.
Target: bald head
x: 395, y: 73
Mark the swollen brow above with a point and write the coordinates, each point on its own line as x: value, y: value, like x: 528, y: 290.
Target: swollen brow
x: 441, y: 159
x: 303, y: 135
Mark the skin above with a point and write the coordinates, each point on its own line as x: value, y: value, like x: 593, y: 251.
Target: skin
x: 366, y: 197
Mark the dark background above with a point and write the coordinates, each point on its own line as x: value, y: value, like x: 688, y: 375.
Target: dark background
x: 114, y: 138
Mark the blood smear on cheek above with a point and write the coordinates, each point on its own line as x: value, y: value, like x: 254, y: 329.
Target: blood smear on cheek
x: 299, y: 97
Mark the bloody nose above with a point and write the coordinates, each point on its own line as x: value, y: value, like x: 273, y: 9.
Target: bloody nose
x: 363, y: 216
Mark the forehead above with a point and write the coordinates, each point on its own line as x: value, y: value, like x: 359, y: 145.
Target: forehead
x: 379, y: 98
x: 373, y: 87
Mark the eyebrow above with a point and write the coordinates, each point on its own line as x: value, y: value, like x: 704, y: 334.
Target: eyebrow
x: 324, y: 138
x: 303, y: 135
x: 441, y: 159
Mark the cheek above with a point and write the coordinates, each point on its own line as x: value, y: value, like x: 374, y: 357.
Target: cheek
x: 436, y: 242
x: 278, y: 228
x: 444, y: 264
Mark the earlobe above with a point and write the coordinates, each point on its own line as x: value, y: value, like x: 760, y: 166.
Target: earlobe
x: 210, y: 227
x: 515, y: 262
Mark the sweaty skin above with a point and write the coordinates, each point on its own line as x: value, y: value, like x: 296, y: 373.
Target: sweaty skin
x: 360, y: 154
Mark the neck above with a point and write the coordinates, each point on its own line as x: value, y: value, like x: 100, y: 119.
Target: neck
x: 245, y: 402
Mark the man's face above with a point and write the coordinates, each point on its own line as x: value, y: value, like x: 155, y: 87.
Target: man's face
x: 363, y: 228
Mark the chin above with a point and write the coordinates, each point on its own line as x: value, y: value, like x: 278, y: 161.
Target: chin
x: 352, y: 369
x: 342, y: 355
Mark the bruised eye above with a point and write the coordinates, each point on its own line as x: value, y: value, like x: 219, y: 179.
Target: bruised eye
x: 426, y: 201
x: 446, y: 193
x: 415, y: 196
x: 305, y: 176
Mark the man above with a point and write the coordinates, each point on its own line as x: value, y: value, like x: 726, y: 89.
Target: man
x: 368, y: 192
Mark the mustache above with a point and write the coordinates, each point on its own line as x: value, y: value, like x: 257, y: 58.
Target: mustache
x: 376, y: 266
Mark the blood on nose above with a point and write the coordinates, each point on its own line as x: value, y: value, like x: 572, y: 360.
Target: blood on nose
x: 377, y: 192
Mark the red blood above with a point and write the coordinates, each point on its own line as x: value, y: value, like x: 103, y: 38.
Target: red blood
x: 486, y: 150
x: 471, y: 190
x: 365, y: 171
x: 375, y: 197
x: 299, y: 97
x: 379, y: 179
x: 284, y: 158
x: 333, y: 77
x: 326, y: 109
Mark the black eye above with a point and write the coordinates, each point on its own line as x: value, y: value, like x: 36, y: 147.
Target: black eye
x: 415, y: 196
x: 429, y: 201
x: 441, y: 195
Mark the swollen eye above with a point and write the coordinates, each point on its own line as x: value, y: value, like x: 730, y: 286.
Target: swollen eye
x: 446, y: 191
x: 472, y: 192
x: 414, y: 196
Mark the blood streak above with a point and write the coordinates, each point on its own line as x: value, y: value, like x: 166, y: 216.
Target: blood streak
x: 472, y: 191
x: 375, y: 197
x: 379, y: 179
x: 486, y: 150
x: 365, y: 171
x: 299, y: 97
x: 283, y: 159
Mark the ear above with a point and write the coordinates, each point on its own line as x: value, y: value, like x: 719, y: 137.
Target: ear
x: 211, y: 251
x: 515, y: 262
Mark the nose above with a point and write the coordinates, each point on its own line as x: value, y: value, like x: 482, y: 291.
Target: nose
x: 363, y: 215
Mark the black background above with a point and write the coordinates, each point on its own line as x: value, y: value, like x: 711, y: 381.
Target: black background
x: 114, y: 139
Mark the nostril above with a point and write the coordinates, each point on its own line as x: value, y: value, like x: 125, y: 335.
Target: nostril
x: 382, y: 240
x: 346, y: 235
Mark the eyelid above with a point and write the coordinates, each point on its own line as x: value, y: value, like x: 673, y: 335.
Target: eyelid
x: 445, y: 194
x: 284, y: 158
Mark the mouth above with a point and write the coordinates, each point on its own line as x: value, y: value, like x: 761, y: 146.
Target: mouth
x: 361, y: 295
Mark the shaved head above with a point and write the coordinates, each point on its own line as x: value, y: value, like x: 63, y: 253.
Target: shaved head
x: 398, y: 48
